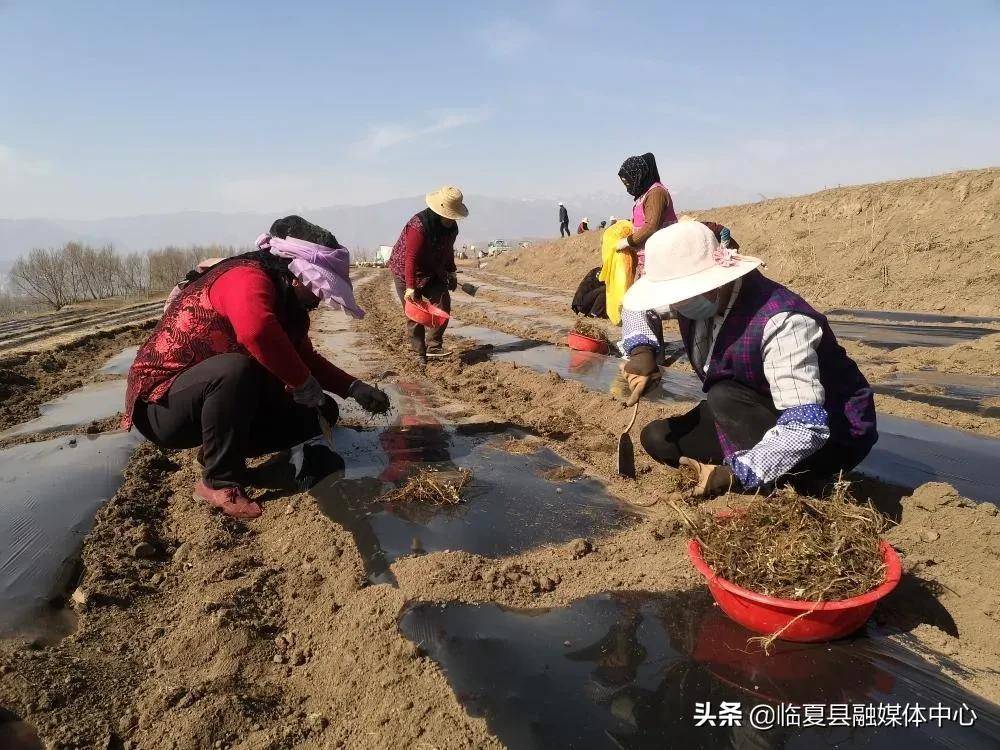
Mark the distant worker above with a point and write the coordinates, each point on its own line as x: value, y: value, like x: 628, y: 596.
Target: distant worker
x: 583, y: 226
x: 783, y: 398
x: 612, y: 221
x: 230, y: 366
x: 563, y: 221
x: 653, y: 207
x: 602, y: 225
x: 423, y: 264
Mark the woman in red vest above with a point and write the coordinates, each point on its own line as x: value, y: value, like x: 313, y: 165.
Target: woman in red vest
x: 423, y: 264
x: 230, y: 366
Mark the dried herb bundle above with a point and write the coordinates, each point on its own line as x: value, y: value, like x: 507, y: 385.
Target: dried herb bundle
x: 431, y: 486
x: 591, y: 330
x: 516, y: 446
x: 794, y: 547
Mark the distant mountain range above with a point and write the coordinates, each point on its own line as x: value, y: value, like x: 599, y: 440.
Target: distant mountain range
x: 361, y: 228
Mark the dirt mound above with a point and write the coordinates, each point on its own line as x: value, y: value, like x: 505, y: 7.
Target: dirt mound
x: 920, y: 244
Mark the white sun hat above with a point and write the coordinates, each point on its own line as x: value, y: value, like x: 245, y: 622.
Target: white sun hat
x: 683, y: 261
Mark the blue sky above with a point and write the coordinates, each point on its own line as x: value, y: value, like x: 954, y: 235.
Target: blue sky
x: 116, y: 108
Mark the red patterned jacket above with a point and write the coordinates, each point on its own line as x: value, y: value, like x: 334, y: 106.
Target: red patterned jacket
x: 192, y: 330
x: 418, y: 259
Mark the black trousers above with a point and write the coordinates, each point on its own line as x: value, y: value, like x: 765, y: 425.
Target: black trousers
x: 564, y: 229
x: 744, y: 416
x: 421, y: 338
x: 234, y: 409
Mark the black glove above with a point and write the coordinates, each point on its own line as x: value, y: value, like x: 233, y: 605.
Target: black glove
x: 372, y: 399
x: 452, y: 282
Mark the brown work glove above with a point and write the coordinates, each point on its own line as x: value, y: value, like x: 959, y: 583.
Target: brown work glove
x: 640, y: 371
x: 712, y: 479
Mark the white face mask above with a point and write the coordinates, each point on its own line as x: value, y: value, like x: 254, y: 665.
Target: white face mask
x: 697, y: 308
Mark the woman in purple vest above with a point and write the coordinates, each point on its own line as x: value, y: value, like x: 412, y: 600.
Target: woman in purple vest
x: 782, y: 396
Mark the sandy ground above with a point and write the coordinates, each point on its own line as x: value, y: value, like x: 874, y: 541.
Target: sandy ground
x: 922, y: 244
x: 198, y: 631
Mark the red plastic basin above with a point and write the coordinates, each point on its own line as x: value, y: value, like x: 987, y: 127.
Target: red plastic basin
x: 585, y: 343
x: 766, y: 614
x: 425, y: 313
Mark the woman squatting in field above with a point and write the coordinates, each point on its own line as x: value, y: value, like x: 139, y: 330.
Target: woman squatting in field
x: 230, y: 366
x: 783, y: 398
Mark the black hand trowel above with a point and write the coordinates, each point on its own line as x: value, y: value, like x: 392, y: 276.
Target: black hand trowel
x: 625, y: 455
x: 626, y: 451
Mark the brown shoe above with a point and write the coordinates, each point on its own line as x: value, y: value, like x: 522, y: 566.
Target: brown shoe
x: 230, y: 500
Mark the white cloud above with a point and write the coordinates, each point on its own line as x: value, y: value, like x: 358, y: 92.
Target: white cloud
x: 381, y: 137
x: 15, y: 166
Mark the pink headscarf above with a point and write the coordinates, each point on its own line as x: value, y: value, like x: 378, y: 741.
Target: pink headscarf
x: 325, y: 271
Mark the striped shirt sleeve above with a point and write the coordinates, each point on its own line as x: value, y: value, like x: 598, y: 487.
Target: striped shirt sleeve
x: 791, y: 367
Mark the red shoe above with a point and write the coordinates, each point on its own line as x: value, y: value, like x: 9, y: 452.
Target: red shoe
x: 230, y: 500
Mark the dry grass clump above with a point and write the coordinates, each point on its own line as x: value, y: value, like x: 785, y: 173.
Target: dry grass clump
x: 794, y: 547
x: 431, y: 486
x: 516, y: 446
x: 591, y: 330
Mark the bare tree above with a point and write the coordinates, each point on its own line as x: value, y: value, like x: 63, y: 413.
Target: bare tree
x: 74, y: 254
x: 44, y: 275
x: 77, y: 272
x: 169, y: 265
x: 134, y: 273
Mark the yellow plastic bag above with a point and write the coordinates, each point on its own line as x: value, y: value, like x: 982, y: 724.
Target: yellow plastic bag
x: 617, y: 269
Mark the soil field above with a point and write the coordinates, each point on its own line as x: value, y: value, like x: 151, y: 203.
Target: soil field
x: 31, y: 378
x: 199, y: 631
x: 45, y: 331
x: 928, y: 244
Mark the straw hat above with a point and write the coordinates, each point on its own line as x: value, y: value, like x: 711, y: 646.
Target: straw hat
x: 683, y: 261
x: 447, y: 202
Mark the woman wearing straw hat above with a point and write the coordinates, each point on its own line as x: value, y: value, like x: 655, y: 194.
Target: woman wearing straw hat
x: 230, y: 366
x: 423, y: 264
x: 782, y: 396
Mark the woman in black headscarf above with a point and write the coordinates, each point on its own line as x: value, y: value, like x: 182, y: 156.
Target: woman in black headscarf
x: 653, y: 207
